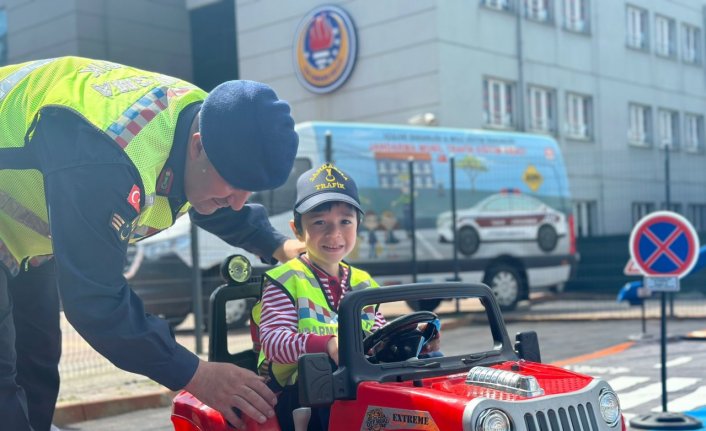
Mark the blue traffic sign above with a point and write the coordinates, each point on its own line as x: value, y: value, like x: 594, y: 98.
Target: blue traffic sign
x: 664, y: 244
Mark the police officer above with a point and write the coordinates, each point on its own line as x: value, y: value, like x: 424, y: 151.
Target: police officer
x: 93, y: 156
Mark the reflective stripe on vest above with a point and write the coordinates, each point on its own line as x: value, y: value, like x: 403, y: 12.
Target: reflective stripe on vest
x: 7, y: 84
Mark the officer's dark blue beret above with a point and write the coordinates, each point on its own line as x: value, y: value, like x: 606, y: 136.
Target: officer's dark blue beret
x: 248, y: 135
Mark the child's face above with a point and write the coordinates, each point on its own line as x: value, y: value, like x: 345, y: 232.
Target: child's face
x: 329, y: 235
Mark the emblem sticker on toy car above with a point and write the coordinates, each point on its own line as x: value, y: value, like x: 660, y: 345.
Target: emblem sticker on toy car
x: 382, y: 418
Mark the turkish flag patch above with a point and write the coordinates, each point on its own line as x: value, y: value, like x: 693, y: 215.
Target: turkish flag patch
x: 134, y: 198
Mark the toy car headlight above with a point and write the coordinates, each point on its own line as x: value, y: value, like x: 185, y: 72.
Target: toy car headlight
x: 493, y: 420
x: 609, y: 406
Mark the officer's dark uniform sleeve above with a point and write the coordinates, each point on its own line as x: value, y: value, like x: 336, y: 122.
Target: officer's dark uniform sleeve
x: 248, y: 228
x: 86, y: 204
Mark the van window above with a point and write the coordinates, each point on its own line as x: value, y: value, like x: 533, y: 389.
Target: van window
x: 282, y: 199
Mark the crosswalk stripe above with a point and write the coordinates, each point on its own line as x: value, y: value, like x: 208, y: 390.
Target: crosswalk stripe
x: 624, y: 382
x: 687, y: 402
x: 651, y: 392
x: 675, y: 362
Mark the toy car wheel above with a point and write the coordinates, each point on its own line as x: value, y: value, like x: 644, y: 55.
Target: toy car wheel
x: 547, y: 237
x: 506, y: 284
x: 424, y: 304
x: 468, y: 240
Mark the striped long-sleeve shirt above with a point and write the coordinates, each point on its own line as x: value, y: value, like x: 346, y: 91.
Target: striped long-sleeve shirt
x: 278, y: 326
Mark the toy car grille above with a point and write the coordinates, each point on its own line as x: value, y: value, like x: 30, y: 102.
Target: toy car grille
x: 573, y: 418
x: 569, y: 411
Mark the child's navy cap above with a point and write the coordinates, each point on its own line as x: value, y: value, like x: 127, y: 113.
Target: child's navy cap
x: 326, y: 183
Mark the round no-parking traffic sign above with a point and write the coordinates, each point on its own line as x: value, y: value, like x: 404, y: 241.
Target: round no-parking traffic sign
x: 664, y: 243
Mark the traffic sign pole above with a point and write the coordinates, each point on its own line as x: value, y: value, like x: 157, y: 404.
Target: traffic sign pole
x: 664, y: 247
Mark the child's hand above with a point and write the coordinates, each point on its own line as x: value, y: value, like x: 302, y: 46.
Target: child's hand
x: 332, y: 349
x: 434, y: 344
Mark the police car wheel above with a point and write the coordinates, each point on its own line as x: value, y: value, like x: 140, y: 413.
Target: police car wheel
x: 506, y: 284
x: 468, y: 240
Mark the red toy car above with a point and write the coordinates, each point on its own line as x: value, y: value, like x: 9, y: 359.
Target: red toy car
x: 504, y: 388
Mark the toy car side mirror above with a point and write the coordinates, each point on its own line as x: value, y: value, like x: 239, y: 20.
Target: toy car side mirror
x: 527, y: 346
x: 315, y: 380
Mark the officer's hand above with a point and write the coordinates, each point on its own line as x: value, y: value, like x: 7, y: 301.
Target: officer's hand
x: 290, y: 249
x: 225, y: 387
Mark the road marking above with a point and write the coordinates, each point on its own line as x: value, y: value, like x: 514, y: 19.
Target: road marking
x: 653, y: 391
x: 593, y: 370
x: 599, y: 354
x: 624, y: 382
x: 687, y: 402
x: 675, y: 362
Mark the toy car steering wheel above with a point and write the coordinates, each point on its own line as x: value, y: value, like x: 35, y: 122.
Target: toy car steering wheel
x: 400, y: 339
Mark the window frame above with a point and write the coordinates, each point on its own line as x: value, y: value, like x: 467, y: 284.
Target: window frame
x: 665, y: 48
x: 499, y: 5
x: 633, y: 39
x: 548, y: 108
x: 698, y: 120
x: 639, y: 113
x: 584, y: 115
x: 505, y: 101
x: 691, y: 44
x: 696, y: 213
x: 673, y: 122
x: 577, y: 16
x: 534, y: 9
x: 639, y: 209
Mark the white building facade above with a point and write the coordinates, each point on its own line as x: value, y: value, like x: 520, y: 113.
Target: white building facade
x: 614, y: 81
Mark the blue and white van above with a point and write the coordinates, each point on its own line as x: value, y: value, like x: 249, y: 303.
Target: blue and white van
x: 513, y: 221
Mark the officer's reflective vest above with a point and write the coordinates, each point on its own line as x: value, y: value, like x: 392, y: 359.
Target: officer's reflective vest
x: 135, y: 108
x: 313, y: 310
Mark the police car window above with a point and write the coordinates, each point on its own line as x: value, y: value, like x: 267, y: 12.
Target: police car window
x: 282, y: 199
x: 499, y: 204
x: 525, y: 203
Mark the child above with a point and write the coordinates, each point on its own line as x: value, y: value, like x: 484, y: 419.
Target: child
x: 300, y: 298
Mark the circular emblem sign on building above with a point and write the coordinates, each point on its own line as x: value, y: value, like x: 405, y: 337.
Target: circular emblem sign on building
x: 325, y: 49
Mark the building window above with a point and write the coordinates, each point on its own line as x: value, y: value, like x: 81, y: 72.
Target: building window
x: 691, y: 51
x: 585, y: 218
x: 641, y: 209
x: 538, y: 10
x: 637, y: 28
x: 639, y: 125
x: 696, y: 213
x: 668, y: 128
x: 665, y: 36
x: 498, y: 103
x: 576, y: 15
x: 693, y: 132
x: 497, y: 4
x: 578, y: 116
x: 541, y: 109
x: 673, y: 206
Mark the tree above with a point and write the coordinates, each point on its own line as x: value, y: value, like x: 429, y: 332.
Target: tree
x: 473, y: 166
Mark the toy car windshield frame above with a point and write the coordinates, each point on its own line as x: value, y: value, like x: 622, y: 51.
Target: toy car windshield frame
x: 318, y: 386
